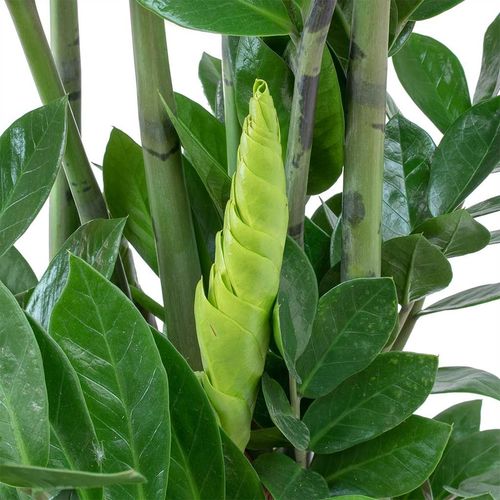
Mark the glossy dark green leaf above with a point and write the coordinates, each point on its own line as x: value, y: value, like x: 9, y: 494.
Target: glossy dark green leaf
x: 339, y: 35
x: 286, y: 480
x: 112, y: 350
x: 336, y: 244
x: 431, y: 8
x: 403, y: 36
x: 210, y: 75
x: 485, y: 486
x: 371, y: 402
x: 467, y: 154
x: 472, y: 456
x: 327, y: 153
x: 282, y: 415
x: 401, y: 11
x: 456, y: 233
x: 327, y: 214
x: 15, y: 272
x: 204, y: 141
x: 24, y: 476
x: 229, y: 17
x: 126, y: 193
x: 71, y: 425
x: 316, y: 247
x: 466, y: 379
x: 97, y: 242
x: 24, y: 412
x: 407, y: 156
x: 392, y: 464
x: 486, y: 207
x: 488, y: 84
x: 31, y: 151
x: 266, y: 439
x: 295, y: 305
x: 352, y: 325
x: 467, y: 298
x: 242, y: 482
x: 464, y: 417
x: 434, y: 79
x: 197, y: 466
x: 417, y: 267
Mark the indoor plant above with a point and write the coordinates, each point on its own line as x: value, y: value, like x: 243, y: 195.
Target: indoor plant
x: 90, y: 391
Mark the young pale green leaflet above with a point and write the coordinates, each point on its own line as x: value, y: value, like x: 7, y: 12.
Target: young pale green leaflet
x: 233, y: 320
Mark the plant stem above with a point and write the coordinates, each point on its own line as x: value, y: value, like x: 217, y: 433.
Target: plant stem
x: 65, y: 44
x: 233, y: 129
x: 407, y: 326
x: 177, y: 253
x: 300, y: 455
x: 307, y: 69
x: 364, y: 167
x: 84, y: 187
x: 147, y: 303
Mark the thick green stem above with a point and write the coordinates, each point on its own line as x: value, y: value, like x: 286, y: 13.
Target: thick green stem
x: 407, y: 326
x: 65, y: 44
x: 233, y: 129
x: 364, y: 163
x: 175, y: 238
x: 307, y: 69
x: 84, y: 187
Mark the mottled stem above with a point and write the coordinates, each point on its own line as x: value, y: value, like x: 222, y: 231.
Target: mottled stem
x: 84, y: 187
x: 170, y: 209
x: 364, y: 163
x: 65, y: 44
x: 307, y: 69
x: 233, y: 129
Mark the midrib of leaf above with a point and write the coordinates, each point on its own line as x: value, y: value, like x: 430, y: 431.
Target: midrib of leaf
x: 409, y: 276
x: 194, y: 489
x: 24, y: 169
x: 320, y: 360
x: 266, y: 13
x: 453, y: 234
x: 119, y: 385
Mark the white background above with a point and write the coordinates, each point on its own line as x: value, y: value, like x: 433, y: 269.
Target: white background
x: 468, y: 337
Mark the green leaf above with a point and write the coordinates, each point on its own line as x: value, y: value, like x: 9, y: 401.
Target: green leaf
x: 97, y: 242
x: 23, y: 476
x: 433, y: 77
x: 126, y: 193
x: 15, y: 272
x: 210, y: 75
x: 24, y: 412
x: 464, y: 417
x: 352, y: 325
x: 486, y: 484
x: 295, y: 305
x: 486, y: 207
x: 495, y: 237
x: 371, y: 402
x: 204, y: 141
x: 286, y: 480
x: 71, y: 424
x: 282, y: 415
x: 456, y: 233
x: 418, y: 267
x: 229, y: 17
x: 467, y: 154
x: 402, y: 38
x: 392, y: 464
x: 316, y: 247
x: 197, y: 466
x: 242, y: 482
x: 327, y: 214
x: 408, y: 151
x: 467, y: 298
x: 266, y: 439
x: 327, y: 153
x: 472, y: 456
x: 112, y: 350
x: 431, y: 8
x: 466, y: 379
x: 488, y: 84
x: 31, y: 151
x: 339, y: 36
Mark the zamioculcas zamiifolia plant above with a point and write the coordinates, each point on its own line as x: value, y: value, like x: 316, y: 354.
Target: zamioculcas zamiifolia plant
x: 275, y: 366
